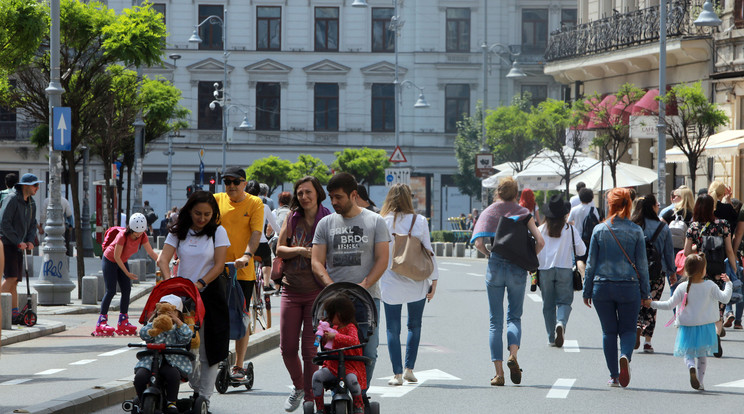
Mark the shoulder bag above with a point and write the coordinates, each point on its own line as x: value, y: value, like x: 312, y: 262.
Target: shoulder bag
x: 577, y: 280
x: 410, y: 257
x: 514, y: 242
x: 626, y: 254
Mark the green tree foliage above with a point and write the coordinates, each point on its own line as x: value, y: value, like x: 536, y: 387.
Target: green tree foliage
x: 697, y: 121
x: 22, y: 27
x: 468, y: 143
x: 309, y: 165
x: 272, y: 170
x: 509, y: 134
x: 366, y: 165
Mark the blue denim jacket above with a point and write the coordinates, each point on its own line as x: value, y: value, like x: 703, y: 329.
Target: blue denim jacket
x: 608, y: 263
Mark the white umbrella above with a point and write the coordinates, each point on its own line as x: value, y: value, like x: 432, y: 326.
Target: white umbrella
x: 628, y: 175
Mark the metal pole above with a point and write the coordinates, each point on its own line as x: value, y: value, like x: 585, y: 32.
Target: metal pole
x: 661, y: 127
x: 85, y: 215
x: 139, y: 143
x: 224, y: 93
x: 169, y: 194
x: 395, y: 81
x: 54, y: 284
x: 484, y: 148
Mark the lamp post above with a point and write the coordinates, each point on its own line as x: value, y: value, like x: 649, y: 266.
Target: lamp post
x: 222, y: 21
x: 170, y: 153
x: 224, y: 103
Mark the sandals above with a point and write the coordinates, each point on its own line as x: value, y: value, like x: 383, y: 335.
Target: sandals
x: 514, y: 370
x: 498, y: 380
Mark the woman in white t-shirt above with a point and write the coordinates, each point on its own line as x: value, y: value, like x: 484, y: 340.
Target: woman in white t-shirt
x: 201, y: 245
x: 397, y: 290
x: 556, y: 263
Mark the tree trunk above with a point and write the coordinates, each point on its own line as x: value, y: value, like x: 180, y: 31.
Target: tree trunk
x: 693, y: 162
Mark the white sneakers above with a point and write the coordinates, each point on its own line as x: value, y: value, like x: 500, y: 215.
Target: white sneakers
x: 294, y: 400
x: 408, y: 375
x: 396, y: 380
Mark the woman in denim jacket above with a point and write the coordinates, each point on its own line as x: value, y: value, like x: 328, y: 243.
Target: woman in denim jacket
x: 615, y: 286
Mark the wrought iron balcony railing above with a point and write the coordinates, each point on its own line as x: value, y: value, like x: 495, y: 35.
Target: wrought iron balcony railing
x: 621, y: 30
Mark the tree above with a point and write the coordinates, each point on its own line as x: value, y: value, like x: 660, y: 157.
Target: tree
x: 309, y: 165
x: 272, y: 170
x: 468, y: 143
x: 697, y: 121
x: 22, y: 27
x: 549, y: 123
x: 509, y: 134
x: 365, y: 164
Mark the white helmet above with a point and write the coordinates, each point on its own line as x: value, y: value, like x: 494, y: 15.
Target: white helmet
x: 138, y: 222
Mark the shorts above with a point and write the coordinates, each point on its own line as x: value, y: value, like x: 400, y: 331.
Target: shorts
x: 13, y: 262
x: 248, y: 288
x: 264, y: 252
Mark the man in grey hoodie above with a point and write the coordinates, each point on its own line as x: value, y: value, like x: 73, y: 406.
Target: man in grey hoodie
x: 18, y: 232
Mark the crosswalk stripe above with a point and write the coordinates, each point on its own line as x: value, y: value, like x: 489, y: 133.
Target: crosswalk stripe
x: 561, y: 388
x: 83, y: 362
x: 15, y: 381
x: 50, y: 371
x: 115, y: 352
x: 476, y: 274
x: 535, y: 297
x: 571, y: 345
x: 456, y: 264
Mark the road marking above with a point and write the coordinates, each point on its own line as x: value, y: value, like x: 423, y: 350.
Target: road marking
x: 423, y: 376
x: 441, y: 269
x: 83, y: 362
x: 571, y: 345
x: 561, y: 388
x: 477, y: 274
x: 15, y: 381
x: 535, y: 297
x: 50, y: 371
x: 733, y: 384
x: 456, y: 264
x: 115, y: 352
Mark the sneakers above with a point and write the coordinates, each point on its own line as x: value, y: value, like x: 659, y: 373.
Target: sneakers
x: 647, y: 348
x: 737, y: 325
x: 613, y: 382
x: 559, y: 335
x: 237, y: 373
x: 729, y: 319
x: 171, y: 408
x: 514, y: 370
x: 408, y: 375
x: 694, y: 379
x: 638, y: 338
x: 624, y: 377
x: 294, y: 400
x: 396, y: 380
x: 497, y: 381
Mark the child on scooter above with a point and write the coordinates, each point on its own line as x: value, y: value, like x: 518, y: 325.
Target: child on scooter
x: 173, y: 367
x: 340, y: 313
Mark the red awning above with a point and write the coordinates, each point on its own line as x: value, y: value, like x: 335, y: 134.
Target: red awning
x: 605, y: 105
x: 648, y: 105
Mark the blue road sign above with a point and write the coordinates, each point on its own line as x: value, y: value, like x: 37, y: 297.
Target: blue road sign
x: 61, y: 128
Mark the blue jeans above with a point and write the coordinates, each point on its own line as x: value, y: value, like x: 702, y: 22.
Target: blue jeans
x: 503, y: 276
x: 556, y: 286
x: 392, y: 319
x: 370, y: 350
x: 617, y: 306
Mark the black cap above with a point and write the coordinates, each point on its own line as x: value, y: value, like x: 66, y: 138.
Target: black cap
x: 236, y: 172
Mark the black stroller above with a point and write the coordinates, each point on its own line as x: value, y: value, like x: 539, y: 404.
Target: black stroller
x: 366, y: 317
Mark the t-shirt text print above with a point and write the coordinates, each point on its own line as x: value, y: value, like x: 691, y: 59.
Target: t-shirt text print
x: 347, y: 245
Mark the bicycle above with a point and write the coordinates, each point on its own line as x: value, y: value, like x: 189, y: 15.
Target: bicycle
x: 260, y: 301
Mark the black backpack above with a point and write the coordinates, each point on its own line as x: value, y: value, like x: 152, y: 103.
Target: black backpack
x: 715, y: 253
x: 590, y: 221
x: 653, y: 255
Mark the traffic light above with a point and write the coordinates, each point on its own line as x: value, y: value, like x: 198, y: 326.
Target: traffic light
x: 189, y: 191
x: 211, y: 184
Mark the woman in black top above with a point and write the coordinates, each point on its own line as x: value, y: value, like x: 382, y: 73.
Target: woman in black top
x: 723, y: 210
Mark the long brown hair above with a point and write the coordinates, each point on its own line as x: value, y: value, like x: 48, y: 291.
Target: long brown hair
x: 694, y: 266
x: 555, y: 225
x: 398, y: 201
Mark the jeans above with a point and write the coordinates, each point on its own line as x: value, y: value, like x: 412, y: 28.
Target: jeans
x: 503, y: 276
x: 370, y: 350
x: 295, y: 324
x: 392, y: 319
x: 556, y: 286
x: 617, y: 305
x: 112, y: 275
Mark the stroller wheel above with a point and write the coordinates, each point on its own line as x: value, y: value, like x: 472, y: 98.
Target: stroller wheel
x: 341, y: 407
x: 201, y: 406
x: 223, y: 378
x: 308, y: 407
x: 249, y: 376
x: 127, y: 406
x: 374, y: 407
x: 29, y: 319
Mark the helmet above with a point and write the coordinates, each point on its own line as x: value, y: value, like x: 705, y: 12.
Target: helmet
x: 138, y: 222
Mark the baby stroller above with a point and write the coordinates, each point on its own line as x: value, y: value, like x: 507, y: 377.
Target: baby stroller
x: 153, y: 398
x: 366, y: 317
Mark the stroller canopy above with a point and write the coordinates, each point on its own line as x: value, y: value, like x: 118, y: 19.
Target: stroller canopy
x: 178, y: 286
x: 366, y: 311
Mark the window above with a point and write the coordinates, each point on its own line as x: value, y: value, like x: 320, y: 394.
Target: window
x: 382, y: 37
x: 208, y: 118
x: 268, y: 28
x: 8, y: 120
x: 210, y: 32
x: 159, y: 8
x: 538, y: 93
x: 326, y: 107
x: 383, y: 107
x: 568, y: 18
x: 326, y: 29
x: 739, y: 14
x: 458, y: 30
x: 534, y: 30
x: 268, y: 106
x: 456, y: 105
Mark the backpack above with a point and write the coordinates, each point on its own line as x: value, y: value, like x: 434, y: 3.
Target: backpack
x: 110, y: 236
x: 590, y: 221
x: 678, y: 227
x: 653, y: 255
x: 715, y: 253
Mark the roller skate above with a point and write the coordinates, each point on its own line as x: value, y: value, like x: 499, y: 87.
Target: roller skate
x: 102, y: 328
x: 124, y: 327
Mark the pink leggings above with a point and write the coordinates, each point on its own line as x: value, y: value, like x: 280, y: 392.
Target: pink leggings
x: 296, y: 317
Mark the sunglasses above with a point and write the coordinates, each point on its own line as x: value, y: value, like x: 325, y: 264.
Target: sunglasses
x: 228, y: 181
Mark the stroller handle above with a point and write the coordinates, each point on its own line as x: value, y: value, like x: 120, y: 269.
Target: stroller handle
x: 339, y: 350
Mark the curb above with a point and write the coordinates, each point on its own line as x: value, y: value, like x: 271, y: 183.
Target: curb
x: 115, y: 392
x: 12, y: 336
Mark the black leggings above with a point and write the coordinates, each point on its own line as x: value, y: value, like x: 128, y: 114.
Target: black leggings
x: 168, y: 372
x: 112, y: 275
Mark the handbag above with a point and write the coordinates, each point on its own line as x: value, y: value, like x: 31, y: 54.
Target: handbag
x: 277, y: 269
x: 577, y: 279
x: 410, y: 257
x: 237, y: 309
x: 514, y: 242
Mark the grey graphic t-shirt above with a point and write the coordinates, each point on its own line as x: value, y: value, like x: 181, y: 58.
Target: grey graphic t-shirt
x: 350, y: 245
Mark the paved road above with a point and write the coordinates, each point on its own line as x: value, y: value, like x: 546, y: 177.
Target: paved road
x: 454, y: 360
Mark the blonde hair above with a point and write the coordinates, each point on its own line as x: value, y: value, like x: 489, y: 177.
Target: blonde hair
x: 686, y: 199
x: 398, y: 200
x: 717, y: 190
x: 507, y: 189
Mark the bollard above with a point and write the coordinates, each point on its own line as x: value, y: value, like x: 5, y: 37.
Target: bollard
x: 34, y: 300
x: 448, y: 249
x: 90, y: 290
x: 459, y: 249
x: 439, y: 248
x: 6, y: 301
x: 101, y: 286
x: 135, y: 266
x: 160, y: 243
x: 150, y: 267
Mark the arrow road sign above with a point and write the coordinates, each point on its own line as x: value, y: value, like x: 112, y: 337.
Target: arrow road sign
x: 61, y: 132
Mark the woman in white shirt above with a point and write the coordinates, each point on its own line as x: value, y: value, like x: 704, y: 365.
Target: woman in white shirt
x: 556, y: 263
x: 397, y: 290
x: 201, y: 244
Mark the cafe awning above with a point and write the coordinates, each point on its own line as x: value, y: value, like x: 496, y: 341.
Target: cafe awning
x: 724, y: 143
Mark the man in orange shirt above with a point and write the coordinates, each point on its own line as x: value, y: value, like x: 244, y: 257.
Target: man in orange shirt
x: 242, y: 216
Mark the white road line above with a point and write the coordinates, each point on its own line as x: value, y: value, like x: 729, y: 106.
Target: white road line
x: 399, y: 391
x: 732, y: 384
x: 83, y: 362
x: 15, y: 381
x: 535, y: 297
x: 50, y: 371
x: 561, y: 388
x: 114, y: 352
x: 571, y: 345
x: 456, y: 264
x: 441, y: 269
x: 477, y: 274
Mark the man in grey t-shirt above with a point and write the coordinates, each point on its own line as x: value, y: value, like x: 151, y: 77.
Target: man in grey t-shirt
x: 352, y: 245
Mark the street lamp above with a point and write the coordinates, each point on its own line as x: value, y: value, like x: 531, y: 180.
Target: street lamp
x: 222, y: 21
